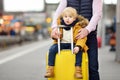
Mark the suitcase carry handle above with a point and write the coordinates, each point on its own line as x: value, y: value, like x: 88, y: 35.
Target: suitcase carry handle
x: 61, y: 26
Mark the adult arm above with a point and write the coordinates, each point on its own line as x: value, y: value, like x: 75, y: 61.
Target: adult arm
x: 54, y: 33
x: 97, y: 14
x: 61, y: 6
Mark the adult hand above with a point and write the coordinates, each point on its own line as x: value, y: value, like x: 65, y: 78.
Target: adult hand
x: 55, y: 34
x: 82, y: 33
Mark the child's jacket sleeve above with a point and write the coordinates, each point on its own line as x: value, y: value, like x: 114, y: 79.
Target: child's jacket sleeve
x: 80, y: 42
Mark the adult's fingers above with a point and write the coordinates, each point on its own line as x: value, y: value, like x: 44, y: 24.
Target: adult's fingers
x: 82, y: 33
x: 78, y: 36
x: 55, y: 34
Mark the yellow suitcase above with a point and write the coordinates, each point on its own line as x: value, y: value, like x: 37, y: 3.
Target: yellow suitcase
x: 64, y: 66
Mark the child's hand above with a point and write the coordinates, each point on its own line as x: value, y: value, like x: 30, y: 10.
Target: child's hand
x: 76, y: 50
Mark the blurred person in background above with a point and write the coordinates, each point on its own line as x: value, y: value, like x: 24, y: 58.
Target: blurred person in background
x: 4, y: 31
x: 12, y: 32
x: 112, y: 41
x: 17, y: 26
x: 92, y: 10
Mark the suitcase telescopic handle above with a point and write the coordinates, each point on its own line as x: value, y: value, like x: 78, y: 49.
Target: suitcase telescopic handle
x: 58, y: 41
x: 59, y: 38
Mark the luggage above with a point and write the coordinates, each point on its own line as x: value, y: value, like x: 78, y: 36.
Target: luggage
x: 65, y: 66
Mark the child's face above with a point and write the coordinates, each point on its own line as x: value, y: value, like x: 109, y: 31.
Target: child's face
x: 68, y: 19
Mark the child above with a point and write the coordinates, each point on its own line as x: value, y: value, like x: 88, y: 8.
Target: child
x: 68, y: 18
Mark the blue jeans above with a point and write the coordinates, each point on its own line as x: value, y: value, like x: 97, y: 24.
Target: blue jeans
x: 93, y: 57
x: 54, y: 49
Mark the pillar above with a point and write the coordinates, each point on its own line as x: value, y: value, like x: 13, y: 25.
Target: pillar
x: 117, y: 58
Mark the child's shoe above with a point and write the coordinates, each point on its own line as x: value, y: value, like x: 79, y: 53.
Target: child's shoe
x: 78, y: 72
x: 50, y: 72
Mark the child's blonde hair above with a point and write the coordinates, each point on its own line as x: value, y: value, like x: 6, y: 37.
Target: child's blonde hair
x: 70, y: 11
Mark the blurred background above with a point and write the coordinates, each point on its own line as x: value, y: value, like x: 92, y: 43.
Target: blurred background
x: 25, y: 26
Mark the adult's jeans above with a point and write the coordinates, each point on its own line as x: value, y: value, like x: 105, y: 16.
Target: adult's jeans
x: 93, y: 56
